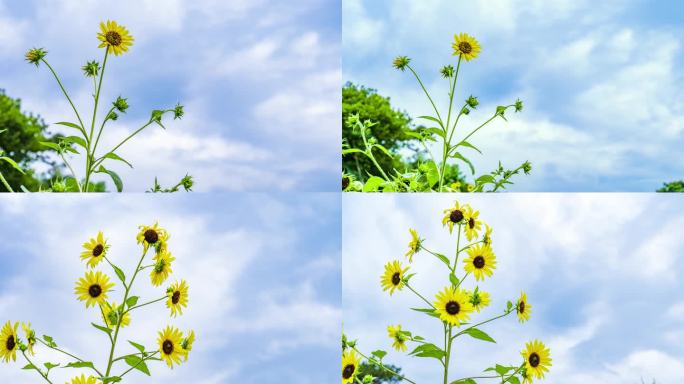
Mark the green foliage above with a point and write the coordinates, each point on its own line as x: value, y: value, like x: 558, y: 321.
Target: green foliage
x: 380, y: 376
x: 675, y: 186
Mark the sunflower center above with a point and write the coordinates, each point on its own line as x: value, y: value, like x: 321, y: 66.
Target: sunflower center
x: 456, y: 216
x: 396, y: 278
x: 465, y: 47
x: 113, y: 38
x: 97, y: 251
x: 534, y: 360
x: 11, y: 343
x: 348, y: 371
x: 167, y: 347
x: 176, y: 297
x: 453, y: 308
x: 151, y: 236
x: 471, y: 223
x: 345, y: 182
x: 479, y: 262
x: 95, y: 290
x: 521, y: 307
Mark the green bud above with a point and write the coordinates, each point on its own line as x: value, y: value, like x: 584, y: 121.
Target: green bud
x: 121, y: 104
x: 401, y: 62
x: 518, y: 105
x: 472, y: 102
x: 35, y: 55
x: 91, y: 69
x: 178, y: 111
x: 447, y: 71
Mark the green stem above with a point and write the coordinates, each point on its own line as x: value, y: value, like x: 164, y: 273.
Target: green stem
x: 91, y: 154
x: 378, y: 363
x: 100, y: 159
x: 148, y: 303
x: 419, y: 295
x: 439, y: 117
x: 5, y: 183
x: 132, y: 354
x: 66, y: 95
x: 66, y: 353
x: 99, y: 132
x: 73, y: 173
x: 458, y: 244
x: 448, y: 356
x: 43, y: 375
x: 484, y: 322
x: 139, y: 362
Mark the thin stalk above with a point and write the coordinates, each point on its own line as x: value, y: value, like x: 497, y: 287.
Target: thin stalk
x: 89, y: 158
x: 5, y: 183
x: 73, y: 173
x: 483, y: 323
x: 439, y: 117
x: 132, y: 354
x: 99, y: 132
x: 43, y: 375
x: 448, y: 356
x: 66, y: 353
x: 137, y: 364
x: 447, y: 143
x: 419, y: 295
x: 458, y: 244
x: 378, y: 363
x: 65, y: 94
x: 101, y: 158
x: 148, y: 303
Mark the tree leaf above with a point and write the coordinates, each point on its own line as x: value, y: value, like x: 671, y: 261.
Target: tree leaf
x: 464, y: 381
x: 432, y: 173
x: 480, y: 335
x: 49, y: 365
x: 115, y: 178
x: 50, y: 145
x: 436, y: 131
x: 427, y: 311
x: 114, y: 156
x: 442, y: 258
x: 453, y: 279
x: 137, y: 363
x: 351, y: 150
x: 382, y: 148
x: 29, y: 366
x: 111, y: 379
x: 431, y: 119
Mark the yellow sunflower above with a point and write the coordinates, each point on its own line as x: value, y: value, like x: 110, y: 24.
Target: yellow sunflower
x: 479, y: 299
x: 153, y: 236
x: 170, y: 346
x: 523, y: 308
x: 177, y: 297
x: 115, y: 37
x: 30, y: 337
x: 527, y: 378
x: 186, y: 344
x: 537, y: 359
x: 9, y: 342
x: 414, y: 245
x: 350, y: 366
x: 162, y: 268
x: 111, y: 315
x: 83, y: 380
x: 466, y: 46
x: 398, y: 338
x: 454, y: 215
x: 95, y: 250
x: 93, y: 288
x: 453, y: 306
x: 473, y: 224
x: 487, y: 238
x: 481, y: 261
x: 394, y: 277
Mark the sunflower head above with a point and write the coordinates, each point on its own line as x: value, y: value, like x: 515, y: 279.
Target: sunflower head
x: 177, y: 297
x: 523, y: 308
x: 35, y: 55
x: 112, y: 315
x: 487, y: 238
x: 401, y: 62
x: 95, y: 250
x: 30, y: 337
x: 170, y: 346
x: 472, y: 221
x: 398, y: 337
x: 162, y: 268
x: 114, y: 37
x: 91, y: 69
x: 537, y: 359
x: 186, y: 344
x: 350, y: 366
x: 481, y: 261
x: 93, y: 288
x: 465, y: 46
x: 83, y: 380
x: 154, y: 236
x: 479, y: 299
x: 414, y: 245
x: 393, y: 278
x: 453, y: 306
x: 9, y: 342
x: 454, y: 216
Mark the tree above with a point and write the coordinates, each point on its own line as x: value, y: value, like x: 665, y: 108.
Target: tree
x: 381, y: 375
x: 675, y: 186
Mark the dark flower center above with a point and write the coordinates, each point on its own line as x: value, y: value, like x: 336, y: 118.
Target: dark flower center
x: 151, y: 236
x: 471, y: 223
x: 167, y: 347
x: 97, y: 251
x: 95, y: 290
x: 534, y: 360
x: 345, y: 183
x: 453, y: 308
x: 521, y: 307
x: 176, y: 297
x: 465, y: 47
x: 456, y: 216
x: 113, y: 38
x: 10, y: 344
x: 348, y: 371
x: 396, y: 278
x: 479, y: 262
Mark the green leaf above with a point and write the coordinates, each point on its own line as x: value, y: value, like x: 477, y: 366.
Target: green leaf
x: 132, y: 301
x: 432, y: 173
x: 457, y: 155
x: 464, y: 381
x: 75, y: 140
x: 80, y: 364
x: 428, y: 350
x: 431, y: 119
x: 442, y: 258
x: 29, y: 366
x: 467, y: 144
x: 119, y: 273
x: 379, y: 354
x: 513, y: 380
x: 509, y: 305
x: 373, y: 184
x: 111, y: 379
x: 427, y: 311
x: 351, y: 150
x: 115, y: 178
x: 12, y: 163
x: 382, y: 148
x: 50, y: 341
x: 137, y: 363
x: 114, y: 156
x: 476, y: 333
x: 436, y: 131
x: 137, y: 346
x: 103, y: 329
x: 70, y: 125
x: 50, y: 145
x: 502, y: 370
x: 49, y: 366
x: 453, y: 279
x: 484, y: 179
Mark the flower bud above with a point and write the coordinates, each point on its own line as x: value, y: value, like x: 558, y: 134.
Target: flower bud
x: 35, y: 55
x: 447, y: 71
x: 518, y: 105
x: 91, y: 68
x: 472, y: 102
x: 401, y: 62
x: 121, y: 104
x: 178, y: 111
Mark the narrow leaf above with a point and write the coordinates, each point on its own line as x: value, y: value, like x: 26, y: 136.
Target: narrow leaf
x: 476, y: 333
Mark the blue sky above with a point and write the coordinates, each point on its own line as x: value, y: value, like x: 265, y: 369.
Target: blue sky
x: 259, y: 79
x: 602, y: 273
x: 263, y: 270
x: 600, y: 81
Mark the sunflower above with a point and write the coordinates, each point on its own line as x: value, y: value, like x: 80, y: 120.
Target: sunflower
x: 111, y: 315
x: 83, y: 380
x: 186, y: 344
x: 95, y: 250
x: 453, y: 306
x: 350, y: 366
x: 170, y: 345
x: 398, y: 337
x: 527, y: 378
x: 115, y: 37
x: 414, y: 245
x: 93, y: 288
x: 523, y: 308
x: 537, y: 359
x: 473, y: 222
x: 9, y: 342
x: 487, y: 238
x: 454, y: 215
x: 152, y: 236
x: 466, y: 46
x: 162, y: 268
x: 30, y: 337
x: 481, y: 261
x: 394, y: 277
x: 177, y: 297
x: 479, y: 299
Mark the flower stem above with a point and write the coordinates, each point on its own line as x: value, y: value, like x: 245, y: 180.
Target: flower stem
x: 5, y: 183
x: 419, y: 295
x: 43, y: 375
x: 148, y: 303
x: 66, y: 353
x: 66, y: 95
x: 484, y: 322
x: 439, y: 117
x: 378, y: 363
x: 91, y: 154
x: 138, y: 363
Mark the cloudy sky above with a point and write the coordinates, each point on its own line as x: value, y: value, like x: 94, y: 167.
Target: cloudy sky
x: 263, y: 271
x: 259, y: 79
x: 600, y: 81
x: 602, y: 273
